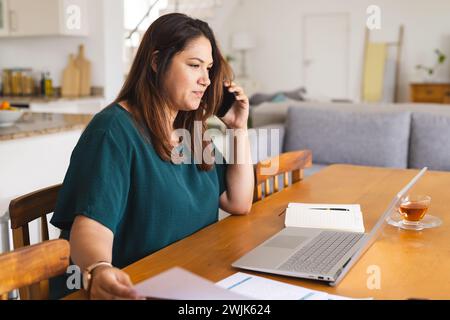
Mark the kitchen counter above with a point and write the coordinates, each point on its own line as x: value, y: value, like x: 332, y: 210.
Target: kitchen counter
x: 35, y: 153
x: 35, y: 124
x: 32, y: 99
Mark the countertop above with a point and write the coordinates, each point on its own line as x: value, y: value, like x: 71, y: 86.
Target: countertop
x: 33, y: 99
x: 35, y: 124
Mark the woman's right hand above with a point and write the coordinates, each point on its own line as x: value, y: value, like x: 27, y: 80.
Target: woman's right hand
x: 110, y: 283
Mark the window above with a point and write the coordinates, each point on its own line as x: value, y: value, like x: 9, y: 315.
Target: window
x: 135, y: 11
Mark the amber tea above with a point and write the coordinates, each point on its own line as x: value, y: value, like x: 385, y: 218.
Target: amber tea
x: 413, y: 211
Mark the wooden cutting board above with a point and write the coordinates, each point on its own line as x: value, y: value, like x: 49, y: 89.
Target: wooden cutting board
x: 84, y: 66
x: 70, y: 86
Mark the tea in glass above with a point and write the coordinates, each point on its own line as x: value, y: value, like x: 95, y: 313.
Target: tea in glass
x: 414, y: 208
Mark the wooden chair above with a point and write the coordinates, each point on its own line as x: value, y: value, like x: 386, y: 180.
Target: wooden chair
x: 29, y: 265
x: 270, y: 169
x: 24, y: 210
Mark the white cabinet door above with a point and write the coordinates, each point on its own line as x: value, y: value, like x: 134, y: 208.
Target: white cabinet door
x: 45, y: 18
x: 4, y: 15
x: 33, y: 18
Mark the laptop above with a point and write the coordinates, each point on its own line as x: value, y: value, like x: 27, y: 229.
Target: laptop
x: 318, y: 254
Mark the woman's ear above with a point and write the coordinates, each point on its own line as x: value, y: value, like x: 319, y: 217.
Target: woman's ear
x: 153, y: 63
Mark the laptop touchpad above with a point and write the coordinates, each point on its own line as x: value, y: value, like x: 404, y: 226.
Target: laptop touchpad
x: 285, y: 242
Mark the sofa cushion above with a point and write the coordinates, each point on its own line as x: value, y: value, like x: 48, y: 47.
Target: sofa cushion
x: 269, y: 112
x: 259, y: 98
x: 430, y: 143
x: 296, y: 94
x: 356, y: 136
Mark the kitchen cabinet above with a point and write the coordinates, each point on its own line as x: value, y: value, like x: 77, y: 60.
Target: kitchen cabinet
x: 4, y: 30
x: 24, y: 18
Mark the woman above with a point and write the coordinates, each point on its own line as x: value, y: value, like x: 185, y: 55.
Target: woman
x: 123, y: 197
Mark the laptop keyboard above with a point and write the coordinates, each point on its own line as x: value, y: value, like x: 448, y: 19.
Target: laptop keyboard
x: 321, y: 254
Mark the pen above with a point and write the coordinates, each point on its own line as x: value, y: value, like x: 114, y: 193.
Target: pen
x: 334, y: 209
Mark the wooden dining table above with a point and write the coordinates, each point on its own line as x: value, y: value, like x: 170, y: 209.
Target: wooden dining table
x: 401, y: 264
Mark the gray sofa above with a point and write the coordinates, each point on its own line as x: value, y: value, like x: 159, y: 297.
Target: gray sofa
x: 388, y: 135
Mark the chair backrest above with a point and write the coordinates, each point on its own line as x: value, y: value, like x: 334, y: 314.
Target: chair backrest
x: 24, y: 210
x: 32, y: 264
x: 269, y: 170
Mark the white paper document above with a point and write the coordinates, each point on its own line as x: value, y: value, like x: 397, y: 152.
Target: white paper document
x: 327, y: 216
x: 266, y: 289
x: 180, y: 284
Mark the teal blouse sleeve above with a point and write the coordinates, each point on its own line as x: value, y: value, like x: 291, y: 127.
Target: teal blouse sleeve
x: 96, y: 184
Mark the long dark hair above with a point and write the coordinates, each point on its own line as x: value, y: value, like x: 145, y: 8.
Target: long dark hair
x: 143, y: 89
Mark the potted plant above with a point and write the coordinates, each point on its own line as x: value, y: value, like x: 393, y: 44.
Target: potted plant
x: 431, y: 71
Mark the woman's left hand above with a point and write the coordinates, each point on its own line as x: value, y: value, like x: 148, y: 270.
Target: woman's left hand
x: 237, y: 116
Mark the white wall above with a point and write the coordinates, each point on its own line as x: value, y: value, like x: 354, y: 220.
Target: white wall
x: 220, y: 25
x: 276, y: 62
x: 113, y: 62
x: 103, y: 48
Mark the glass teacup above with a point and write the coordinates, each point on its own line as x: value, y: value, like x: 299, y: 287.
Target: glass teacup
x: 412, y: 214
x: 413, y: 208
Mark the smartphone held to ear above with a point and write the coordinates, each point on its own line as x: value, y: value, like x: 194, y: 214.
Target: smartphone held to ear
x: 228, y: 99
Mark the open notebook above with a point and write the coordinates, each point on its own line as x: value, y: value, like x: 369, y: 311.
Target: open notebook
x: 344, y: 217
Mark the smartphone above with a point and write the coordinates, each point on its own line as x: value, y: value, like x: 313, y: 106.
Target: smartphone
x: 228, y: 99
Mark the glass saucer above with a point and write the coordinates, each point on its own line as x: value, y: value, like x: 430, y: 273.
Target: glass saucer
x: 428, y: 221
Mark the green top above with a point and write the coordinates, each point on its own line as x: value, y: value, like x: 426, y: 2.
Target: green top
x: 116, y: 178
